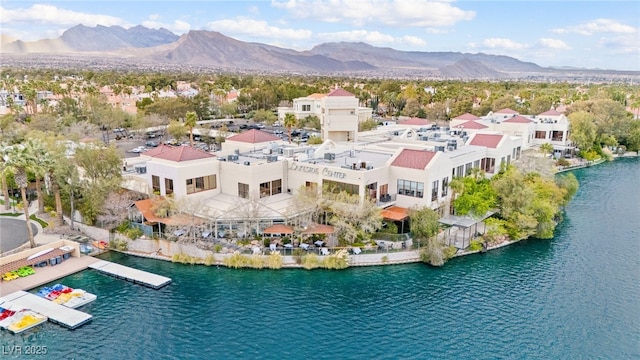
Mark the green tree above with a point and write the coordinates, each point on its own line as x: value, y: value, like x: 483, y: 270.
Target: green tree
x: 424, y: 227
x: 583, y: 130
x: 546, y: 148
x: 176, y: 130
x: 19, y: 160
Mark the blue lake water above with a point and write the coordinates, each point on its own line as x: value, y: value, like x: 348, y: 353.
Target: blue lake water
x: 576, y: 296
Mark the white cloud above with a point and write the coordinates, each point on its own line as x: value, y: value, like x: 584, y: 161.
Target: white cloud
x: 597, y: 26
x: 177, y: 26
x: 371, y: 37
x: 51, y: 15
x: 627, y: 44
x: 399, y: 13
x: 257, y: 28
x: 502, y: 43
x: 553, y: 44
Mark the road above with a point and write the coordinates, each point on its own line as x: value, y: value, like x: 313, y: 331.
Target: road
x: 13, y: 233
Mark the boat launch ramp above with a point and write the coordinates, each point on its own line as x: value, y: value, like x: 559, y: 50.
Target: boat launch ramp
x: 130, y: 274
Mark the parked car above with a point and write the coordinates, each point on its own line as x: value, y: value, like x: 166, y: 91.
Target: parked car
x: 244, y: 126
x: 137, y: 150
x: 151, y: 144
x: 278, y: 132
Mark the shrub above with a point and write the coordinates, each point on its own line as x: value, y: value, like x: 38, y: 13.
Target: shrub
x: 209, y: 260
x: 236, y: 260
x: 337, y: 260
x: 255, y: 261
x: 266, y: 242
x: 120, y: 245
x: 314, y: 140
x: 563, y: 162
x: 310, y: 261
x: 217, y: 248
x: 133, y: 233
x: 122, y: 227
x: 186, y: 259
x: 274, y: 260
x: 475, y: 245
x: 450, y: 252
x: 385, y: 259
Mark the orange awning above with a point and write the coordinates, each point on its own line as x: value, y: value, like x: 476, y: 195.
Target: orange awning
x: 395, y: 213
x: 279, y: 229
x: 319, y: 229
x: 144, y: 206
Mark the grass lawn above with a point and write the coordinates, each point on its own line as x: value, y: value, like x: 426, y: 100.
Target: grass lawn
x: 43, y: 223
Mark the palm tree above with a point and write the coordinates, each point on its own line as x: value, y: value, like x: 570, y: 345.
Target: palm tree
x: 19, y: 160
x: 546, y: 148
x: 3, y: 174
x: 289, y: 122
x: 190, y: 121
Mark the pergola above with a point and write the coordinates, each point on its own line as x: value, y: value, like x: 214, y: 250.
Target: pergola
x: 396, y: 213
x: 465, y: 223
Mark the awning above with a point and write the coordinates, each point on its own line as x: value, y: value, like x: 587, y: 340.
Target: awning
x: 319, y: 229
x: 144, y: 206
x: 463, y: 221
x: 395, y: 213
x: 279, y: 229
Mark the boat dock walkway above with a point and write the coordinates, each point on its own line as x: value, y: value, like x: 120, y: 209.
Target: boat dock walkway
x: 130, y: 274
x: 56, y: 313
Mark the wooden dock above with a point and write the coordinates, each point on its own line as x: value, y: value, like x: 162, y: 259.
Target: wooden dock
x: 56, y: 313
x: 130, y: 274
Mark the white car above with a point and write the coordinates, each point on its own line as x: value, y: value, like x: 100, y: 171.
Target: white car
x: 137, y: 150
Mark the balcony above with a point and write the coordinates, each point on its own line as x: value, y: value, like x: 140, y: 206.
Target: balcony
x: 386, y: 200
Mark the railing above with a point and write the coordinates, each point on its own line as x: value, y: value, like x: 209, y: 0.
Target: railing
x: 386, y: 198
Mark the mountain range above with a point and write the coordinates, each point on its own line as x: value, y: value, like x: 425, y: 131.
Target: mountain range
x: 213, y: 49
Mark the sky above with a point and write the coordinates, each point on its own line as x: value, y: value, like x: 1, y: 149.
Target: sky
x: 584, y: 34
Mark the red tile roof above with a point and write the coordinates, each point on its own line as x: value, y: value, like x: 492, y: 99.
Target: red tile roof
x: 472, y: 125
x: 466, y: 116
x: 181, y: 153
x: 278, y: 229
x: 254, y: 136
x: 488, y: 140
x: 519, y: 119
x: 340, y: 92
x: 551, y: 113
x: 316, y: 96
x: 415, y: 121
x: 413, y: 159
x: 506, y: 111
x: 157, y: 150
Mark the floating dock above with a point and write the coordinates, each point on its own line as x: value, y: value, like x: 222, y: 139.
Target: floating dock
x: 130, y: 274
x: 56, y: 313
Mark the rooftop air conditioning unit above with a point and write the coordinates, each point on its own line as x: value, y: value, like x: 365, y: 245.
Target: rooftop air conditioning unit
x: 330, y: 156
x: 369, y: 165
x: 236, y: 151
x: 266, y: 151
x: 451, y: 148
x: 288, y: 152
x: 247, y: 163
x: 439, y: 148
x: 272, y: 158
x: 233, y: 157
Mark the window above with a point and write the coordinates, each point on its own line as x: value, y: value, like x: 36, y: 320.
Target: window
x: 336, y: 187
x: 202, y: 183
x: 410, y: 188
x: 434, y: 190
x: 155, y: 183
x: 265, y: 189
x: 276, y: 187
x: 168, y: 186
x: 488, y: 165
x: 445, y: 186
x: 306, y: 107
x: 541, y: 135
x: 460, y: 171
x: 476, y: 164
x: 243, y: 190
x: 467, y: 169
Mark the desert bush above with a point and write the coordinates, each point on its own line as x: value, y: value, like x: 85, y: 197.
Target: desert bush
x: 236, y: 260
x: 337, y: 260
x: 255, y: 261
x: 475, y: 245
x: 209, y: 260
x: 274, y: 260
x: 310, y: 261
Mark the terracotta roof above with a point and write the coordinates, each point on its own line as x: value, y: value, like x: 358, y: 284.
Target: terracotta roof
x: 506, y: 111
x: 395, y: 213
x: 279, y: 229
x: 317, y: 96
x: 466, y: 116
x: 413, y: 159
x: 157, y: 150
x: 340, y: 92
x: 182, y: 153
x: 415, y: 121
x: 319, y: 229
x: 551, y: 113
x: 472, y: 125
x: 254, y: 136
x: 488, y: 140
x: 519, y: 119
